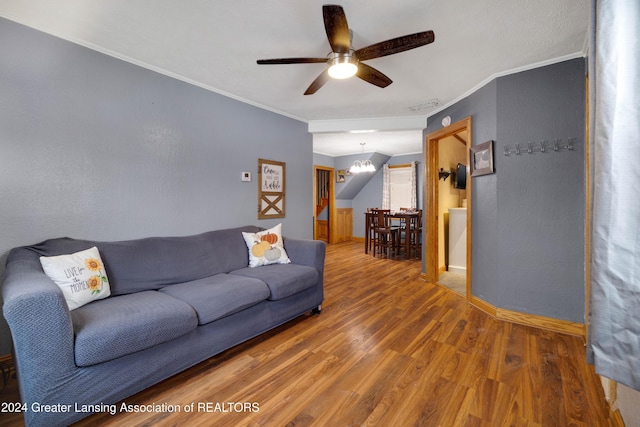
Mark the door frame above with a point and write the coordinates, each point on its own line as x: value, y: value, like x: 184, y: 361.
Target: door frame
x: 333, y: 213
x: 431, y: 200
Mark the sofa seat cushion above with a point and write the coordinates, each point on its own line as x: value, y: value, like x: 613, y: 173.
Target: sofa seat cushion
x: 283, y: 280
x: 116, y: 326
x: 219, y: 296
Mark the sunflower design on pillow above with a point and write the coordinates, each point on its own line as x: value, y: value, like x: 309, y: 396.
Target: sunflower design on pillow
x: 95, y: 282
x: 81, y: 276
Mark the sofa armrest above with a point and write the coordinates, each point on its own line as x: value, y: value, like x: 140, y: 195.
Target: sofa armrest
x: 306, y: 252
x: 39, y: 320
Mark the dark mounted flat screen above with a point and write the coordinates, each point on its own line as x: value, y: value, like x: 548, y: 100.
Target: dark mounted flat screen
x: 461, y: 177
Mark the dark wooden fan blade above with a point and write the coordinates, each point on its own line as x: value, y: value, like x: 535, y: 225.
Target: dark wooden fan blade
x: 335, y: 24
x: 397, y: 45
x: 278, y: 61
x: 373, y: 76
x: 318, y: 83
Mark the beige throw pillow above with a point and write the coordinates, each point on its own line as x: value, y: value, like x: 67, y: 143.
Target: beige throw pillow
x: 266, y: 247
x: 81, y: 276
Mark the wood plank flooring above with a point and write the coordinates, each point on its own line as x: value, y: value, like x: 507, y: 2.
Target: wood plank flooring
x: 388, y: 350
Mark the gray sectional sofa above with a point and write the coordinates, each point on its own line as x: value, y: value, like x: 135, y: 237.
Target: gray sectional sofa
x: 175, y: 301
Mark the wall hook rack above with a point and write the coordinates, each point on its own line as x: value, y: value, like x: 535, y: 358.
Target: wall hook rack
x: 542, y: 147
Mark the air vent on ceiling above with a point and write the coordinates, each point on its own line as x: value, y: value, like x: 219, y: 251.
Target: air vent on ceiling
x: 432, y: 103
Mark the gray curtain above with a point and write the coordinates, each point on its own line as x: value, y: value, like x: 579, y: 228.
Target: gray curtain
x: 614, y: 322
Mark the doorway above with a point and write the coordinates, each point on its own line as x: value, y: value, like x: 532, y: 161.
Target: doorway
x: 434, y: 217
x: 324, y: 212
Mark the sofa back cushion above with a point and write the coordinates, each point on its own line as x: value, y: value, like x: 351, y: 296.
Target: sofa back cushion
x: 155, y: 262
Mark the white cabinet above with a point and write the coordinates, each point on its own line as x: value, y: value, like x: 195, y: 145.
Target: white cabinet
x: 458, y: 240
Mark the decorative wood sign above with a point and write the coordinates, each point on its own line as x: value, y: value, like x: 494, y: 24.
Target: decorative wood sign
x: 271, y: 189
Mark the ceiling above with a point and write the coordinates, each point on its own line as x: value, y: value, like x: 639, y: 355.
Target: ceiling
x: 215, y: 44
x: 390, y: 143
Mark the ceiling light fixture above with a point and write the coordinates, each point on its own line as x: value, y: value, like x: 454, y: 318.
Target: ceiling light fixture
x: 362, y: 131
x: 342, y: 65
x: 362, y: 165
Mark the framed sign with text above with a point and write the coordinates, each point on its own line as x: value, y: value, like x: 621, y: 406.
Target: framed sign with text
x: 271, y: 189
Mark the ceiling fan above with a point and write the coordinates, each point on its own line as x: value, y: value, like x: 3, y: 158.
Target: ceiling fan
x: 344, y: 62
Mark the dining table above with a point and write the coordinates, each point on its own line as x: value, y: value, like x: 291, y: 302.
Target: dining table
x: 408, y: 217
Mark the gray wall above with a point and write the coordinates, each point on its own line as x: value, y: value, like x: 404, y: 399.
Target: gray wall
x: 93, y: 147
x: 353, y: 184
x: 323, y: 160
x: 529, y: 217
x: 541, y: 197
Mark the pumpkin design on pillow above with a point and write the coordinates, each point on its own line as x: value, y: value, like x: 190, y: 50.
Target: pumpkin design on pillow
x: 270, y: 237
x: 272, y: 254
x: 266, y: 247
x: 259, y: 248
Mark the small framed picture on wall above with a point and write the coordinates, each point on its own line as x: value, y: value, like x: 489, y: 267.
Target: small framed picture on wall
x: 341, y: 175
x: 481, y: 159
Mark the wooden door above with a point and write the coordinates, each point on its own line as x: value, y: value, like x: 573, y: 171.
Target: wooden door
x: 430, y: 214
x: 324, y: 212
x: 344, y: 224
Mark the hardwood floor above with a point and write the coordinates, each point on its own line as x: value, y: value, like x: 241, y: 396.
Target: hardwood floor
x: 390, y: 350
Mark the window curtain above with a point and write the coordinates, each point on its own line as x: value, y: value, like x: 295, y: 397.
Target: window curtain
x: 386, y: 187
x: 614, y: 318
x: 414, y: 189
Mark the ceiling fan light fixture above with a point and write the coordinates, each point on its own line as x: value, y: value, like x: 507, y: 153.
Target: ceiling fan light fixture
x: 343, y: 61
x: 343, y: 66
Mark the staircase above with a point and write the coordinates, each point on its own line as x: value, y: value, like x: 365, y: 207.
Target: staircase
x: 321, y: 205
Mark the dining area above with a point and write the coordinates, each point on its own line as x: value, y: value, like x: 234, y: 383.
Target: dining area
x: 393, y: 234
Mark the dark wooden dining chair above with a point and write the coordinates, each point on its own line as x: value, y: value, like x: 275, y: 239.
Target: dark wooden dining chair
x: 387, y: 236
x: 371, y: 225
x: 413, y: 232
x: 403, y: 221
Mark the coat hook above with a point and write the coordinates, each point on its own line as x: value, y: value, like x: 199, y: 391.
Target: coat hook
x: 544, y: 146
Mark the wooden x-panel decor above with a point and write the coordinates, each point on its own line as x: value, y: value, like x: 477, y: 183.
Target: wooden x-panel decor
x: 271, y: 189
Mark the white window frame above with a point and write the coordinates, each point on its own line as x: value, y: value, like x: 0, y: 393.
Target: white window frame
x: 400, y: 187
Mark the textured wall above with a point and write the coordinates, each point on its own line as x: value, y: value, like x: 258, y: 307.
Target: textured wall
x: 528, y: 218
x: 541, y: 196
x: 94, y: 147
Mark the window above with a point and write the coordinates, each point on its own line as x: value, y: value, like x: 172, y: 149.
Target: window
x: 400, y: 187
